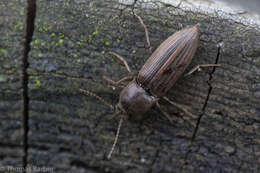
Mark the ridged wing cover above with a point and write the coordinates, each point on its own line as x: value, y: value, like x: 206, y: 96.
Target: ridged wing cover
x: 169, y: 61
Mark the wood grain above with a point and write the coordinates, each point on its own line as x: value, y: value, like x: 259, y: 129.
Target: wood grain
x: 72, y: 132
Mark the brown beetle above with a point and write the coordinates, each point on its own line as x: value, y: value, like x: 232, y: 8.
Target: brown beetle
x: 157, y: 76
x: 160, y: 72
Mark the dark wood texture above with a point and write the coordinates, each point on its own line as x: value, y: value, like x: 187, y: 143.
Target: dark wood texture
x: 73, y: 132
x: 11, y: 38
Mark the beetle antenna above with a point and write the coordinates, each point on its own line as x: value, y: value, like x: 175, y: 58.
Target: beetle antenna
x: 116, y: 138
x: 90, y: 93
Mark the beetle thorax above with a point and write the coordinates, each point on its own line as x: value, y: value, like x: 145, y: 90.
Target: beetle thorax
x: 134, y: 100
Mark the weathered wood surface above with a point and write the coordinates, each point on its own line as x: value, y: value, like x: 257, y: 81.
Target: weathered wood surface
x: 70, y: 131
x: 11, y: 36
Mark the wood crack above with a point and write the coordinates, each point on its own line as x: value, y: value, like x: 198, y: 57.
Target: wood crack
x: 204, y: 106
x: 208, y: 95
x: 29, y: 28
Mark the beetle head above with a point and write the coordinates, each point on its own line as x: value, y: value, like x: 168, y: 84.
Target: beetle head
x: 135, y: 101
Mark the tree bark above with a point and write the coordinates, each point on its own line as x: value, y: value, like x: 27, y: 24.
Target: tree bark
x: 71, y: 131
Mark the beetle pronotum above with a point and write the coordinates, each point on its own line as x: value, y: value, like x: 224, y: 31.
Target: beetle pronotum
x: 157, y: 76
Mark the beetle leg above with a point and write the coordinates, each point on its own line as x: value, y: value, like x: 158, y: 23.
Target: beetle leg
x: 145, y: 30
x: 164, y: 113
x: 181, y: 107
x: 198, y: 68
x: 116, y: 138
x: 117, y: 83
x: 122, y: 60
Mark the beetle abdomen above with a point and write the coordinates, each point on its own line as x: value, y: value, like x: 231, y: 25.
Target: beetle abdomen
x: 169, y: 61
